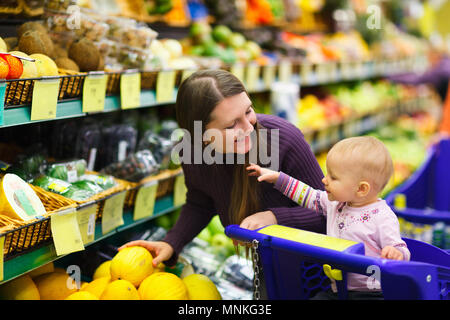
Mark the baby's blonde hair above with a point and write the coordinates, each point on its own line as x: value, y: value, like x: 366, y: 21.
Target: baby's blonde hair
x: 369, y: 159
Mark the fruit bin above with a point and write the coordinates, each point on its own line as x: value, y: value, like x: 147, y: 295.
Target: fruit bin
x: 166, y: 182
x: 295, y: 262
x: 20, y: 236
x: 19, y: 92
x: 425, y: 197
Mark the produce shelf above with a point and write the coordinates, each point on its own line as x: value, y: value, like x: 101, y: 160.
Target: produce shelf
x: 29, y: 261
x: 16, y: 116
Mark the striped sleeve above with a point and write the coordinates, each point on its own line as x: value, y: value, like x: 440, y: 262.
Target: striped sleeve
x: 300, y: 192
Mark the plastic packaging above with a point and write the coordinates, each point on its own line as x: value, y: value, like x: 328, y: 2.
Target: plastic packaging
x: 160, y: 147
x: 88, y: 143
x: 103, y: 181
x: 119, y: 141
x: 69, y: 171
x: 135, y: 167
x: 63, y: 188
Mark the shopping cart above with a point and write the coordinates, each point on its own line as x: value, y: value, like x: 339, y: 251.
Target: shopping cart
x: 425, y: 197
x: 297, y: 264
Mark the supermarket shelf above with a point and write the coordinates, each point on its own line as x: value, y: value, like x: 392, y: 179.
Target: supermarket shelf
x: 28, y: 261
x: 73, y: 108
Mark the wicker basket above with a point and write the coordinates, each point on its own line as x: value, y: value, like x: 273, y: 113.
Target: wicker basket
x: 148, y: 80
x: 22, y: 236
x: 166, y: 182
x: 19, y: 92
x: 100, y: 198
x: 113, y: 83
x: 71, y: 84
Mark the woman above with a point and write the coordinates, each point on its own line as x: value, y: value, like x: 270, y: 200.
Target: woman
x: 219, y: 100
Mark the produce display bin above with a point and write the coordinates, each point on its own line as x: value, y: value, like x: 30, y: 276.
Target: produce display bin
x: 166, y: 182
x: 285, y: 251
x: 425, y: 197
x: 20, y: 236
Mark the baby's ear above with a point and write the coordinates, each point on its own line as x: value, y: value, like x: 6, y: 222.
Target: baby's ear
x: 363, y: 189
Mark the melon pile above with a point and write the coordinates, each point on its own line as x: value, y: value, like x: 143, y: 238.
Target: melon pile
x: 130, y: 275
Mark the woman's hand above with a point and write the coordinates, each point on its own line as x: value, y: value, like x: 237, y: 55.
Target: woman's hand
x: 390, y: 252
x: 263, y: 174
x: 160, y: 250
x: 258, y: 220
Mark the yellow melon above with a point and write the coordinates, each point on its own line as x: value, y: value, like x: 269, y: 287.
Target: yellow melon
x: 97, y: 286
x: 102, y: 270
x: 46, y: 268
x: 21, y: 288
x: 54, y: 286
x: 29, y: 68
x: 83, y: 284
x: 45, y: 65
x: 133, y: 264
x: 81, y: 295
x: 163, y: 286
x: 60, y: 270
x: 200, y: 287
x: 120, y: 290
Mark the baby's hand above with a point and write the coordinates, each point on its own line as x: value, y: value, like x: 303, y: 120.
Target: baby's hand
x: 263, y: 174
x: 390, y: 252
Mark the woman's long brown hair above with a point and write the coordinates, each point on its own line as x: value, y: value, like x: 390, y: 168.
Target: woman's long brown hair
x: 197, y: 97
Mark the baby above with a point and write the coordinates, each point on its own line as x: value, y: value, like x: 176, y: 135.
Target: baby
x: 358, y: 169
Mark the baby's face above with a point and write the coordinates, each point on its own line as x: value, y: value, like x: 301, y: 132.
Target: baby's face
x: 340, y: 182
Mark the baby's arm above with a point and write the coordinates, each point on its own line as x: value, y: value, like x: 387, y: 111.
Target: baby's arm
x: 294, y: 189
x: 393, y: 246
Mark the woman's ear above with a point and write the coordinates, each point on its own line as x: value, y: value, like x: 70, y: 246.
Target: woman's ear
x: 363, y: 189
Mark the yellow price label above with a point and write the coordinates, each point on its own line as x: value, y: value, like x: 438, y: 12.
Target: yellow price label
x: 269, y: 75
x: 130, y: 90
x: 165, y: 85
x: 238, y: 71
x: 285, y: 71
x: 2, y: 243
x: 179, y: 192
x: 112, y: 216
x: 400, y: 201
x: 186, y: 74
x: 86, y: 222
x: 305, y: 72
x: 65, y: 232
x: 252, y: 76
x: 94, y: 92
x: 145, y: 200
x: 45, y: 99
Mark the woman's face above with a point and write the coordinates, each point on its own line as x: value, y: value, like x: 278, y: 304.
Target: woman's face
x: 232, y: 122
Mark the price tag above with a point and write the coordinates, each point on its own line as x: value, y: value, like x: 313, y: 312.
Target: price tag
x: 322, y: 72
x: 2, y: 100
x: 186, y: 74
x: 268, y: 75
x: 165, y: 85
x: 130, y: 90
x: 112, y: 216
x: 252, y: 78
x: 45, y: 99
x: 65, y: 232
x: 285, y: 71
x: 86, y: 222
x: 145, y: 200
x: 333, y: 71
x: 2, y: 243
x: 238, y: 71
x: 179, y: 193
x: 94, y: 92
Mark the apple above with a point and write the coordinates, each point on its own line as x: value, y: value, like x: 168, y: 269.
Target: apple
x: 164, y: 221
x: 205, y: 235
x: 215, y: 226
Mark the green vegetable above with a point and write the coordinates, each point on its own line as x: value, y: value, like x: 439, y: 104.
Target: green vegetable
x: 58, y: 172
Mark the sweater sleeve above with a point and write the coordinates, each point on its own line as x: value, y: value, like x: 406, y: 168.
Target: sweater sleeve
x: 301, y: 193
x: 195, y: 215
x: 300, y: 162
x: 389, y: 234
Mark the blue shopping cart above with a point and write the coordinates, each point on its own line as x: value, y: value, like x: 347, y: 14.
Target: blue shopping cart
x: 297, y: 264
x: 425, y: 197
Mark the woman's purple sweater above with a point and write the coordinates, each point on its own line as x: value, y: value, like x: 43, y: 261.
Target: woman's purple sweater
x: 209, y: 189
